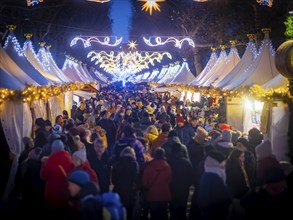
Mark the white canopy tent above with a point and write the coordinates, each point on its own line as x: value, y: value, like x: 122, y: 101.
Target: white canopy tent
x: 261, y: 70
x: 171, y: 73
x: 218, y: 65
x: 208, y: 67
x: 46, y: 59
x: 184, y: 76
x: 231, y: 61
x: 31, y: 56
x: 15, y: 52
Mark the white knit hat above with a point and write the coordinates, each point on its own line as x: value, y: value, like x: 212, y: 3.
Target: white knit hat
x: 81, y: 154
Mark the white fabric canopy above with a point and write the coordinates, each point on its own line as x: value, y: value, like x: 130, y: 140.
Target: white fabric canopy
x: 12, y: 69
x: 16, y: 120
x: 172, y: 72
x: 184, y: 76
x: 246, y: 60
x: 218, y: 65
x: 165, y: 89
x: 161, y: 74
x: 231, y: 61
x: 15, y: 52
x: 45, y: 57
x: 84, y: 94
x: 262, y: 69
x: 30, y: 54
x: 9, y: 82
x: 153, y: 75
x: 208, y: 67
x: 277, y: 82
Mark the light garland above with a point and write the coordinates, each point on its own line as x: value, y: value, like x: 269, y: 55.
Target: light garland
x: 265, y: 2
x: 31, y: 93
x: 15, y: 43
x: 33, y: 2
x: 256, y: 91
x: 43, y: 58
x: 97, y: 39
x: 164, y: 40
x: 126, y: 63
x: 151, y: 5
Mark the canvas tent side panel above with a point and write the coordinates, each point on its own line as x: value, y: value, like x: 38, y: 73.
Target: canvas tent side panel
x: 17, y: 123
x: 55, y: 108
x: 278, y: 130
x: 234, y: 112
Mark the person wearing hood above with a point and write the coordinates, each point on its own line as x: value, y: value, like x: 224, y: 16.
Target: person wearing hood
x: 174, y: 139
x: 151, y: 134
x: 82, y: 196
x: 125, y: 178
x: 156, y: 179
x: 225, y: 145
x: 80, y: 161
x: 162, y: 137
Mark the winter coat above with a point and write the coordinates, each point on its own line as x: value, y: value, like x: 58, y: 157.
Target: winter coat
x: 156, y: 179
x: 110, y: 129
x: 102, y: 169
x: 135, y: 144
x: 181, y: 178
x: 150, y: 137
x: 87, y: 167
x: 214, y: 198
x: 168, y: 147
x: 55, y: 171
x: 185, y: 134
x: 125, y: 178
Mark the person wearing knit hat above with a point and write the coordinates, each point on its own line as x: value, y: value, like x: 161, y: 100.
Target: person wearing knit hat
x: 79, y: 156
x: 57, y: 145
x: 80, y: 161
x: 77, y: 179
x: 57, y: 129
x: 180, y: 121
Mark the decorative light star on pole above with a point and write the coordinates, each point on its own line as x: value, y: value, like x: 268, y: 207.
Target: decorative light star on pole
x: 265, y: 2
x: 33, y: 2
x: 132, y: 45
x: 151, y: 5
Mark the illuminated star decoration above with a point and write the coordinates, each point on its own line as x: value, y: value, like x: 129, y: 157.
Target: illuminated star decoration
x: 33, y: 2
x: 149, y: 5
x: 132, y: 45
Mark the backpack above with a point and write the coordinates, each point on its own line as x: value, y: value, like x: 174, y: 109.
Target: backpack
x: 118, y: 148
x: 111, y: 203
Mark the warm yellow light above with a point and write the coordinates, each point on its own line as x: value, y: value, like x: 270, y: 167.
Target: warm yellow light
x: 132, y: 45
x: 151, y: 5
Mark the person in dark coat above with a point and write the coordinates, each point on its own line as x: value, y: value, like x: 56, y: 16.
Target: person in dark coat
x: 237, y: 178
x: 33, y: 187
x: 83, y: 192
x: 129, y: 140
x: 99, y: 161
x: 109, y: 126
x: 125, y: 178
x: 184, y: 131
x: 249, y: 163
x: 174, y: 139
x: 255, y: 138
x: 181, y: 181
x: 214, y: 198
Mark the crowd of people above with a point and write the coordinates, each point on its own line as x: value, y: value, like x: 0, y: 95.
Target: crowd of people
x: 148, y: 152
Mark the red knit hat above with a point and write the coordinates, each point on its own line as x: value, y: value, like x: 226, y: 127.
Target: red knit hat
x: 180, y: 119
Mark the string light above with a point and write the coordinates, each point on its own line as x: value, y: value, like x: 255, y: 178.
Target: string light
x: 126, y: 63
x: 151, y: 5
x: 163, y: 40
x: 256, y: 91
x: 31, y: 93
x: 106, y: 41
